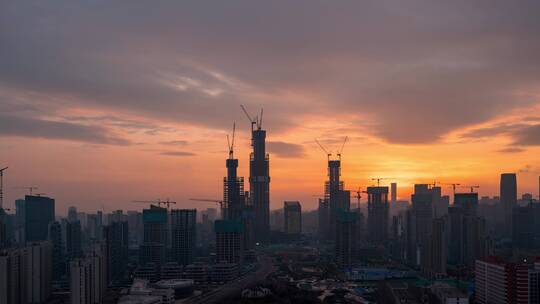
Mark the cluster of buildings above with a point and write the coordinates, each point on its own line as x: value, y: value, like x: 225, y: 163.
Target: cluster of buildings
x: 168, y: 251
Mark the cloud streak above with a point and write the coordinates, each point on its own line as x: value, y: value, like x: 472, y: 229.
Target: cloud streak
x: 40, y: 128
x: 285, y: 150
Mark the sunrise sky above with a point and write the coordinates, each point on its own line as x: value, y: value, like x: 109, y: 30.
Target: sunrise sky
x: 103, y: 102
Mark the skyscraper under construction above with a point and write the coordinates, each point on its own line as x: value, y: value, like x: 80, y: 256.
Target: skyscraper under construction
x: 336, y: 199
x: 259, y: 180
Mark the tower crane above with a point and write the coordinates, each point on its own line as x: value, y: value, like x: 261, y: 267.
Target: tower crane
x: 342, y: 146
x: 29, y: 188
x: 2, y: 186
x: 220, y: 202
x: 158, y: 202
x: 472, y: 187
x: 379, y: 179
x: 256, y: 121
x: 358, y: 195
x: 453, y: 186
x: 328, y: 154
x: 230, y: 143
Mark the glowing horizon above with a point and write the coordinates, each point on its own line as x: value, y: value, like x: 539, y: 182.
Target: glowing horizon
x: 137, y: 106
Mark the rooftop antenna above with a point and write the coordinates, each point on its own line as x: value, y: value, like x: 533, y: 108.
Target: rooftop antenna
x: 2, y: 186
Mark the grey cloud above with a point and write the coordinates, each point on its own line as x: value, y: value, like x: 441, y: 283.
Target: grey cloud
x: 177, y: 153
x: 175, y: 142
x: 285, y: 150
x: 511, y: 150
x: 528, y: 136
x: 419, y: 70
x: 39, y: 128
x: 493, y: 130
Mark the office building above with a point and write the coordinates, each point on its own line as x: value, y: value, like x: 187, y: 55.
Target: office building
x: 229, y: 241
x: 378, y: 214
x: 116, y: 239
x: 292, y: 211
x: 38, y: 214
x: 183, y: 235
x: 508, y: 194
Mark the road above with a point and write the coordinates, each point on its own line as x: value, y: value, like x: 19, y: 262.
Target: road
x: 235, y: 287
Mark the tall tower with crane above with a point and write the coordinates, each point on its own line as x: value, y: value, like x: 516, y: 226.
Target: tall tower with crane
x: 337, y: 199
x: 233, y: 186
x: 259, y: 178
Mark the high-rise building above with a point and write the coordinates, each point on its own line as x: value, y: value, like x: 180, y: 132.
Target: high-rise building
x: 229, y: 241
x: 346, y: 238
x: 38, y: 213
x: 73, y: 238
x: 323, y: 214
x: 12, y: 276
x: 499, y: 282
x: 393, y: 193
x: 508, y: 191
x: 38, y: 271
x: 292, y: 211
x: 155, y: 225
x: 378, y: 214
x: 87, y: 280
x: 58, y: 250
x: 436, y: 250
x: 259, y: 185
x: 467, y: 234
x: 420, y: 224
x: 183, y: 235
x: 116, y: 238
x: 233, y: 191
x: 523, y: 230
x: 135, y: 225
x: 72, y: 214
x: 20, y: 235
x: 339, y: 200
